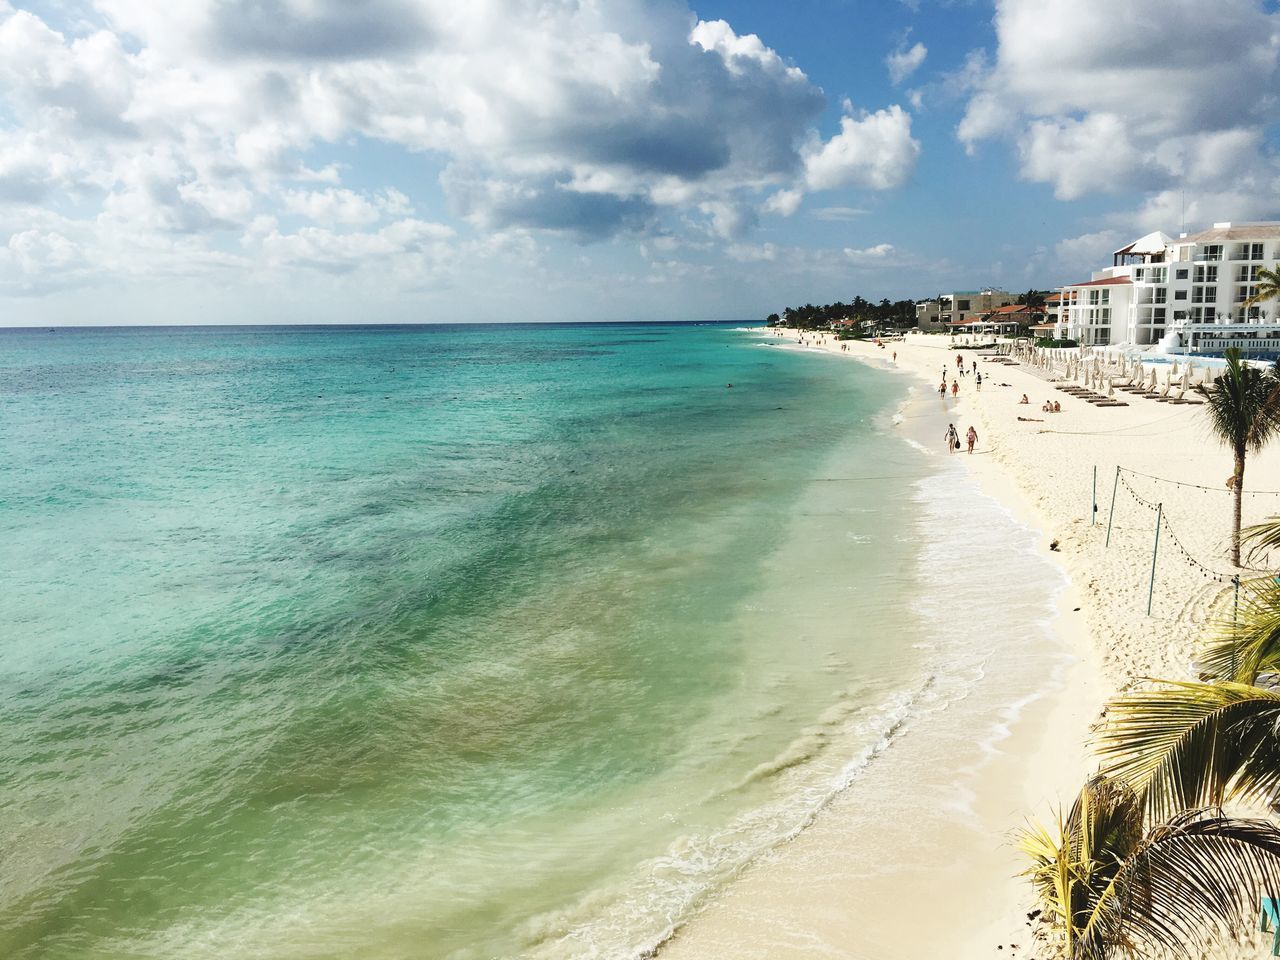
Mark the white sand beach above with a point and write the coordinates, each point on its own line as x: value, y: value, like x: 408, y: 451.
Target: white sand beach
x: 816, y: 896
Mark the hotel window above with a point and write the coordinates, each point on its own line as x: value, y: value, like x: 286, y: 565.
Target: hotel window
x: 1179, y: 294
x: 1157, y: 332
x: 1180, y: 274
x: 1105, y: 314
x: 1158, y: 314
x: 1254, y: 251
x: 1093, y: 297
x: 1206, y: 274
x: 1212, y: 252
x: 1160, y: 294
x: 962, y: 305
x: 1204, y: 294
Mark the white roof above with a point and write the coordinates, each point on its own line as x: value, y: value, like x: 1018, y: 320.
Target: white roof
x: 1152, y: 243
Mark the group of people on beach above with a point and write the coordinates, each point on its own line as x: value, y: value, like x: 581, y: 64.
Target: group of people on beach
x: 955, y: 383
x: 1049, y: 406
x: 952, y: 438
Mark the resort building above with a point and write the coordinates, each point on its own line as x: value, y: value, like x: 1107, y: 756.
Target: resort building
x: 949, y: 308
x: 1008, y: 319
x: 1182, y: 296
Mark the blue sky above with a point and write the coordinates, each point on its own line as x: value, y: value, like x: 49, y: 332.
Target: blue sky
x: 418, y: 160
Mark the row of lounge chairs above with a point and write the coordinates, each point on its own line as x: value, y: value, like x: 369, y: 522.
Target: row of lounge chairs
x: 1084, y: 393
x: 1167, y: 395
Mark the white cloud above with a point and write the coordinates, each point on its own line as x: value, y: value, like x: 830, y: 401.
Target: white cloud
x: 1078, y: 257
x: 875, y: 150
x: 753, y: 253
x: 173, y: 130
x: 784, y: 202
x: 342, y: 206
x: 838, y: 213
x: 878, y: 252
x: 1101, y: 97
x: 902, y: 63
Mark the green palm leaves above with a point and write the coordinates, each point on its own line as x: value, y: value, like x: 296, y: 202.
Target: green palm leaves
x: 1110, y: 884
x: 1268, y: 286
x: 1243, y: 406
x: 1194, y: 744
x: 1146, y: 861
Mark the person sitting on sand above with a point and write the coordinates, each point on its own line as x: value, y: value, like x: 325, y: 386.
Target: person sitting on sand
x: 1057, y: 407
x: 1048, y: 407
x: 1024, y: 399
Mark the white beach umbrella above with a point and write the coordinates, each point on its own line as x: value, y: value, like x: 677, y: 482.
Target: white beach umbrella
x: 1151, y: 379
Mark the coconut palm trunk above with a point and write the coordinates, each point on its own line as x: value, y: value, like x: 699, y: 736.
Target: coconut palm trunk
x: 1237, y: 507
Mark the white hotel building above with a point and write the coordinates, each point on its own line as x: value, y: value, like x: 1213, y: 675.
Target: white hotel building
x: 1180, y: 296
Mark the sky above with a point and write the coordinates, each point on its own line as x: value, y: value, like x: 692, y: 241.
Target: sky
x: 355, y: 161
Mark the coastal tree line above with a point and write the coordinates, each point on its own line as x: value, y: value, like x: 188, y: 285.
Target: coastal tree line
x: 894, y: 314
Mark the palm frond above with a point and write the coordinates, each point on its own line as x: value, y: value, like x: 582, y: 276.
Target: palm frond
x: 1243, y: 405
x: 1195, y: 880
x: 1106, y: 885
x: 1262, y: 537
x: 1268, y: 286
x: 1244, y: 647
x: 1190, y: 745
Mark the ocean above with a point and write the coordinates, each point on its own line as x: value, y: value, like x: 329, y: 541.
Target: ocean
x: 444, y: 641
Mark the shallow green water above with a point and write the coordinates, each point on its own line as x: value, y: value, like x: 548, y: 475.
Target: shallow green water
x: 427, y: 642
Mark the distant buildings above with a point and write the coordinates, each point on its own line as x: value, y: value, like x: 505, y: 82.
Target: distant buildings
x: 959, y: 307
x: 1185, y: 295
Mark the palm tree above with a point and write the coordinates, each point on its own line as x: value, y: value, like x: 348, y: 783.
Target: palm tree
x: 1244, y: 412
x: 1268, y: 286
x: 1108, y: 883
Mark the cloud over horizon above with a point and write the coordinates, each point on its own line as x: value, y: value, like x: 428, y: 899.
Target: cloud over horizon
x: 1163, y: 98
x: 181, y: 139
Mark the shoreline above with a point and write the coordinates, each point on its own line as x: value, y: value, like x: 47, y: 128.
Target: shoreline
x: 1040, y: 470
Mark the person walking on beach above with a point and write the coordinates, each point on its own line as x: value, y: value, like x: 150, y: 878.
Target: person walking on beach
x: 952, y: 438
x: 955, y: 388
x: 942, y: 388
x: 978, y: 380
x: 975, y: 366
x: 895, y: 356
x: 972, y: 437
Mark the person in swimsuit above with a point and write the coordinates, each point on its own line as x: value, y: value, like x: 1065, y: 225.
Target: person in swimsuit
x: 952, y: 438
x: 972, y: 437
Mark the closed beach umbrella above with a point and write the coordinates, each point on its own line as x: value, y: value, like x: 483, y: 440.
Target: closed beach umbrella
x: 1151, y: 379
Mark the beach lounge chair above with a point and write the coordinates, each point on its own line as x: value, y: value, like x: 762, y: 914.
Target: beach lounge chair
x: 1269, y: 922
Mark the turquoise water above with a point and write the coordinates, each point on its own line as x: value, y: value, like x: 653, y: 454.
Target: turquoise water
x: 429, y: 642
